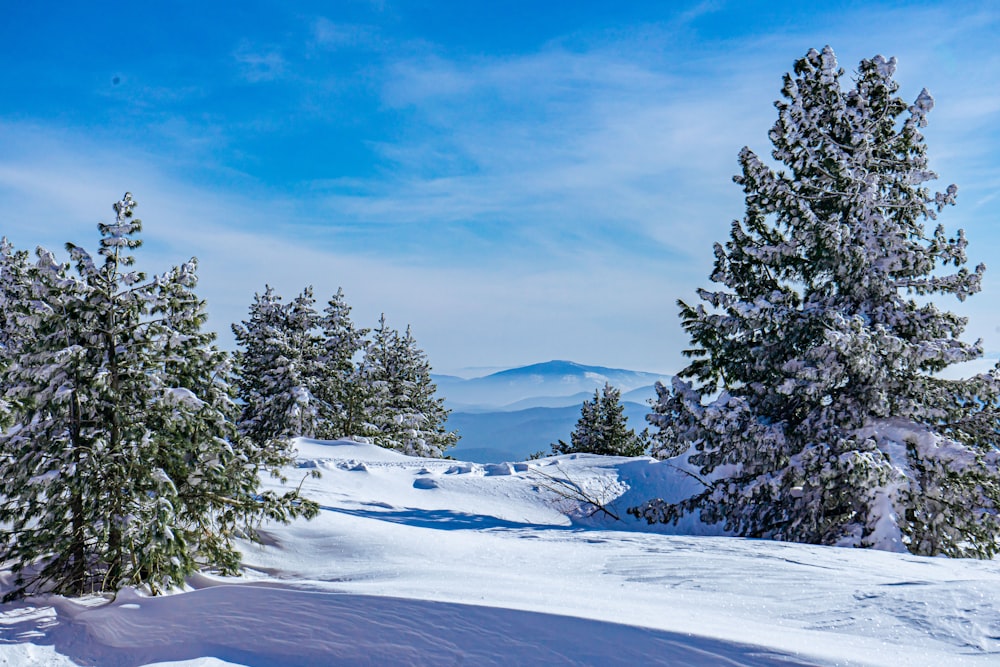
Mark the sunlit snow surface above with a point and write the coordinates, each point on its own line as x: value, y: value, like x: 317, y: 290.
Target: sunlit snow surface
x: 433, y: 562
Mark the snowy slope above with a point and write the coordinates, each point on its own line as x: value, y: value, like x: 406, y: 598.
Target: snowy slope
x: 434, y: 562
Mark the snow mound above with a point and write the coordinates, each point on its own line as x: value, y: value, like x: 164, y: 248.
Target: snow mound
x: 321, y: 450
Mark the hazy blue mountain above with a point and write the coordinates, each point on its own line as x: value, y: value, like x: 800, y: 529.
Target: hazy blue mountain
x: 642, y: 394
x: 493, y: 437
x: 549, y: 401
x: 511, y: 414
x: 549, y: 384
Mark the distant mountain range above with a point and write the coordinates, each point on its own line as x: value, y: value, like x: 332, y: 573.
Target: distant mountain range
x: 494, y: 437
x: 549, y: 384
x: 509, y: 415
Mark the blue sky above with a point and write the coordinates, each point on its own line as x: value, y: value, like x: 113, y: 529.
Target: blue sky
x: 518, y: 181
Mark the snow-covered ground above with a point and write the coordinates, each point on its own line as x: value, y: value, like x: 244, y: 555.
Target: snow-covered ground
x: 435, y: 562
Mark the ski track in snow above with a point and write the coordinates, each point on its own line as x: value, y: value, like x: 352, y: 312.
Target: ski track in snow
x: 437, y: 562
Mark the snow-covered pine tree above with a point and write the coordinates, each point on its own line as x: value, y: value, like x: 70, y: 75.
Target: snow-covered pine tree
x: 13, y: 282
x: 305, y: 366
x: 277, y: 369
x: 340, y: 389
x: 105, y: 448
x: 430, y: 437
x: 603, y: 428
x: 831, y: 426
x: 377, y: 367
x: 253, y: 358
x: 403, y: 410
x: 46, y: 453
x: 218, y: 486
x: 13, y: 286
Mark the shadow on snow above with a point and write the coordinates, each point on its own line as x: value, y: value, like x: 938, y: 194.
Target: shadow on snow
x: 267, y: 626
x: 444, y: 519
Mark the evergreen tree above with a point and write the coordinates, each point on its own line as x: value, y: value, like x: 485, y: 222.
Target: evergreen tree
x: 305, y: 363
x: 121, y: 467
x: 340, y: 389
x: 297, y: 377
x: 831, y: 426
x: 403, y: 411
x: 254, y: 359
x: 13, y: 290
x: 13, y: 283
x: 377, y: 368
x: 218, y: 485
x: 429, y: 436
x: 278, y: 369
x: 603, y: 429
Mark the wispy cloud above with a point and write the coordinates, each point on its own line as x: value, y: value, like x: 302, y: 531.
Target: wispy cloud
x: 455, y: 313
x: 575, y: 150
x: 257, y: 65
x: 701, y: 9
x: 334, y: 35
x: 513, y: 205
x: 557, y: 138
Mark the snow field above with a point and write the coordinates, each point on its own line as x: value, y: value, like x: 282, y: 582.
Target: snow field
x: 438, y: 562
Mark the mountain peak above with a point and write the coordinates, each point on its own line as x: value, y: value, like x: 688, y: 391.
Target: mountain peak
x: 556, y: 367
x: 546, y: 380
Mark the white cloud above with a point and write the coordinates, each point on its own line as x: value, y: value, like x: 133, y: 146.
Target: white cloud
x: 560, y: 142
x: 534, y: 206
x: 506, y: 312
x: 260, y: 65
x: 327, y: 34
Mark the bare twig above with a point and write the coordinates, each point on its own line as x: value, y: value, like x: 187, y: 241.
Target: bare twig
x: 566, y: 487
x: 688, y: 473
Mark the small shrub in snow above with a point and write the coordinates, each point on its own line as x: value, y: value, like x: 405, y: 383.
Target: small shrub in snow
x: 831, y: 426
